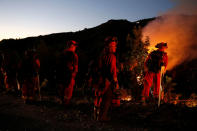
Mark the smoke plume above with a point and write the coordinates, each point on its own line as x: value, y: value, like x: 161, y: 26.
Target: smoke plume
x: 177, y: 27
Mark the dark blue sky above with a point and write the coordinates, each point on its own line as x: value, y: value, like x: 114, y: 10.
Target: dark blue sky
x: 23, y: 18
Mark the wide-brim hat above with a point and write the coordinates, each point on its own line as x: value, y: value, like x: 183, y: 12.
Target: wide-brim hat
x: 161, y: 45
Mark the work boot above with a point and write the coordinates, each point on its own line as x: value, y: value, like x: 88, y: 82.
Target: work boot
x: 156, y: 101
x: 143, y: 101
x: 103, y: 115
x: 66, y: 102
x: 104, y: 119
x: 96, y: 113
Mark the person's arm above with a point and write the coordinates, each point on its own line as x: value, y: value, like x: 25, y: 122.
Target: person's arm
x: 37, y: 64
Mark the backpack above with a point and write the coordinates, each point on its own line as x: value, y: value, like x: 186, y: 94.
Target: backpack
x: 29, y: 65
x: 106, y: 62
x: 66, y: 64
x: 155, y: 61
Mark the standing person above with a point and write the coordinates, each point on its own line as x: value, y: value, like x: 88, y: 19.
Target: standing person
x: 107, y: 79
x: 155, y: 63
x: 2, y: 72
x: 11, y: 70
x: 67, y: 68
x: 29, y: 72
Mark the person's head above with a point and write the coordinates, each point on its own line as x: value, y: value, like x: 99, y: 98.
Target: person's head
x: 162, y: 46
x: 71, y: 45
x: 29, y: 52
x: 111, y: 43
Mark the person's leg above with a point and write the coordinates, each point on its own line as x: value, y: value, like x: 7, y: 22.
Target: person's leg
x: 97, y: 104
x: 60, y: 91
x: 24, y: 91
x: 156, y: 81
x: 69, y: 91
x: 148, y: 79
x: 30, y: 89
x: 106, y: 102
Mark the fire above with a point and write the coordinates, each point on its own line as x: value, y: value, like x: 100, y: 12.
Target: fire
x: 191, y: 102
x: 140, y: 79
x: 127, y: 98
x: 179, y: 32
x: 150, y: 49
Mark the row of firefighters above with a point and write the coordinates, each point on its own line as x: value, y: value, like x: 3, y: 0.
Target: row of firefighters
x: 107, y: 85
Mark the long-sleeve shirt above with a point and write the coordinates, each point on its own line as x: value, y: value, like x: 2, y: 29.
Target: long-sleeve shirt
x: 108, y: 68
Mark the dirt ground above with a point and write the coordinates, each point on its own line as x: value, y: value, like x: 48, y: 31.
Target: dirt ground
x: 48, y: 115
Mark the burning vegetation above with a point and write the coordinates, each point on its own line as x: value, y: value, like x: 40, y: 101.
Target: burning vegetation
x: 177, y: 28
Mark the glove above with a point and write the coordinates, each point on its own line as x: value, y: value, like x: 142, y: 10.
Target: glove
x: 163, y: 70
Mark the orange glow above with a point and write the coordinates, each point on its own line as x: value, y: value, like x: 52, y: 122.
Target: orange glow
x: 127, y: 98
x: 179, y: 32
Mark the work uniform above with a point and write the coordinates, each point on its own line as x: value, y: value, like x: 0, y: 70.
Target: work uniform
x: 10, y: 74
x: 29, y: 73
x: 154, y: 62
x: 107, y: 83
x: 67, y: 69
x: 1, y: 72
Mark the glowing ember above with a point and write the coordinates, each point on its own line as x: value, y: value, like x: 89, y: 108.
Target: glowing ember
x: 128, y: 98
x: 140, y: 79
x: 191, y: 102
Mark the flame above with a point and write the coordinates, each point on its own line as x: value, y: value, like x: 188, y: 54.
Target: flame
x: 140, y: 79
x: 180, y: 34
x: 191, y: 102
x: 151, y: 48
x: 124, y: 95
x: 127, y: 98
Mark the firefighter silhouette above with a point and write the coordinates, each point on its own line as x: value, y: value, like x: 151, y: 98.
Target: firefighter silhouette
x: 154, y: 65
x: 107, y: 80
x: 10, y: 71
x: 30, y: 66
x: 67, y: 68
x: 2, y: 72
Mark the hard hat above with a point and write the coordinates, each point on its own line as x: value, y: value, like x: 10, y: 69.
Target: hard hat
x: 161, y: 45
x: 71, y: 42
x: 111, y: 41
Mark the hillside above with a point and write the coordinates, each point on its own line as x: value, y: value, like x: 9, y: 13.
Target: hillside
x: 179, y: 84
x: 90, y: 46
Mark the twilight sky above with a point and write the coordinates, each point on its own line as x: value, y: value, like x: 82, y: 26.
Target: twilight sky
x: 24, y: 18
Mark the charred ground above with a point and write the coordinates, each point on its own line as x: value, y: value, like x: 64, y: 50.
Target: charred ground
x: 49, y: 115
